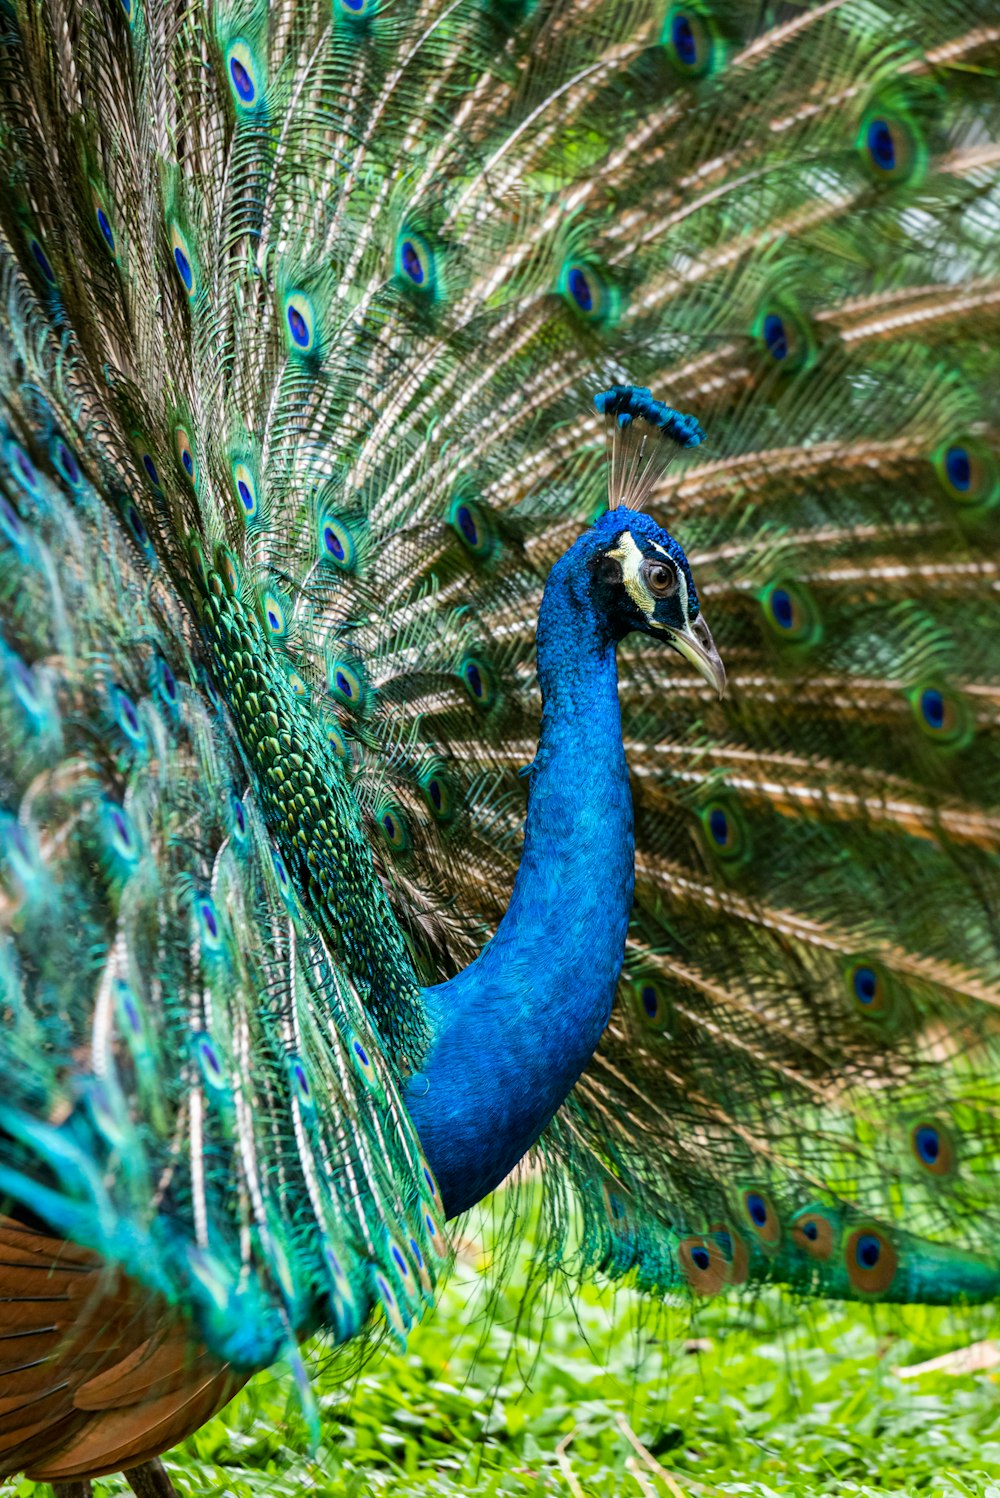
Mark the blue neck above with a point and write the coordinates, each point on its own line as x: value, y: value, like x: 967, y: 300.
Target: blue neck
x: 513, y: 1032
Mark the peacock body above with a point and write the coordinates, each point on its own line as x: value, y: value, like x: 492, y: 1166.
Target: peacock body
x: 304, y: 312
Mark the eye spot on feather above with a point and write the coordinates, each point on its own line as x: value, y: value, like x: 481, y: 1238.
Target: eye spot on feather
x: 228, y: 570
x: 472, y: 525
x: 393, y: 827
x: 246, y: 490
x: 437, y: 794
x: 183, y: 262
x: 790, y: 613
x: 335, y: 738
x: 10, y: 522
x: 933, y: 1148
x: 300, y: 1082
x: 297, y: 684
x: 702, y: 1265
x: 185, y: 453
x: 689, y: 41
x: 137, y: 528
x: 870, y: 1260
x: 814, y: 1234
x: 477, y: 681
x: 239, y: 820
x: 209, y: 1063
x: 208, y: 924
x: 104, y: 226
x: 363, y: 1062
x: 967, y: 472
x: 416, y: 263
x: 118, y: 833
x: 390, y: 1306
x: 336, y: 543
x: 357, y: 10
x: 127, y: 716
x: 243, y: 75
x: 21, y: 467
x: 285, y: 887
x: 872, y: 990
x: 891, y: 145
x: 347, y: 684
x: 65, y: 463
x: 42, y: 261
x: 725, y: 831
x: 274, y: 615
x: 943, y: 716
x: 166, y: 683
x: 785, y: 336
x: 589, y: 295
x: 300, y: 322
x: 762, y: 1218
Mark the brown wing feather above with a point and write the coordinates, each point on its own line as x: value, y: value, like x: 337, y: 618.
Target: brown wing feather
x: 96, y: 1374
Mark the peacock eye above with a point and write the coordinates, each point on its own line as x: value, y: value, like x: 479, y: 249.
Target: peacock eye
x: 660, y: 578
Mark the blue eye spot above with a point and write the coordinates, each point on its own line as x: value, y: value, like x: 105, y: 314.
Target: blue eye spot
x: 333, y: 543
x: 242, y: 82
x: 210, y: 1059
x: 434, y: 791
x: 650, y: 1000
x: 933, y: 708
x: 344, y: 685
x: 467, y: 525
x: 958, y: 467
x: 757, y: 1208
x: 273, y: 619
x: 239, y: 816
x: 411, y: 262
x: 474, y: 678
x: 67, y: 464
x: 245, y: 494
x: 700, y: 1257
x: 579, y: 289
x: 297, y: 327
x: 683, y: 39
x: 150, y: 468
x: 361, y: 1053
x: 401, y: 1262
x: 881, y: 146
x: 42, y: 261
x: 105, y: 228
x: 188, y: 462
x: 775, y: 336
x: 24, y: 466
x: 865, y: 984
x: 811, y: 1231
x: 928, y: 1144
x: 389, y: 825
x: 183, y: 265
x: 868, y: 1250
x: 782, y: 608
x: 718, y: 825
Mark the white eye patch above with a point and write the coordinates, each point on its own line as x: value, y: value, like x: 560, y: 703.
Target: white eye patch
x: 631, y: 559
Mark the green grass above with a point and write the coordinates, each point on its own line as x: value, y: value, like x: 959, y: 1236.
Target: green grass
x: 777, y: 1398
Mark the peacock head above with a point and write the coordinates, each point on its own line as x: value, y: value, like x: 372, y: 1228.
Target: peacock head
x: 639, y: 576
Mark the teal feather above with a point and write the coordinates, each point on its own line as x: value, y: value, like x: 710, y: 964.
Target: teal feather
x: 302, y: 313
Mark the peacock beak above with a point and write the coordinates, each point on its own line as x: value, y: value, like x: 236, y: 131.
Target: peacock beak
x: 695, y: 643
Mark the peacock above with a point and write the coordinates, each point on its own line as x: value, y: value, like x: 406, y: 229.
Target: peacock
x: 378, y: 380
